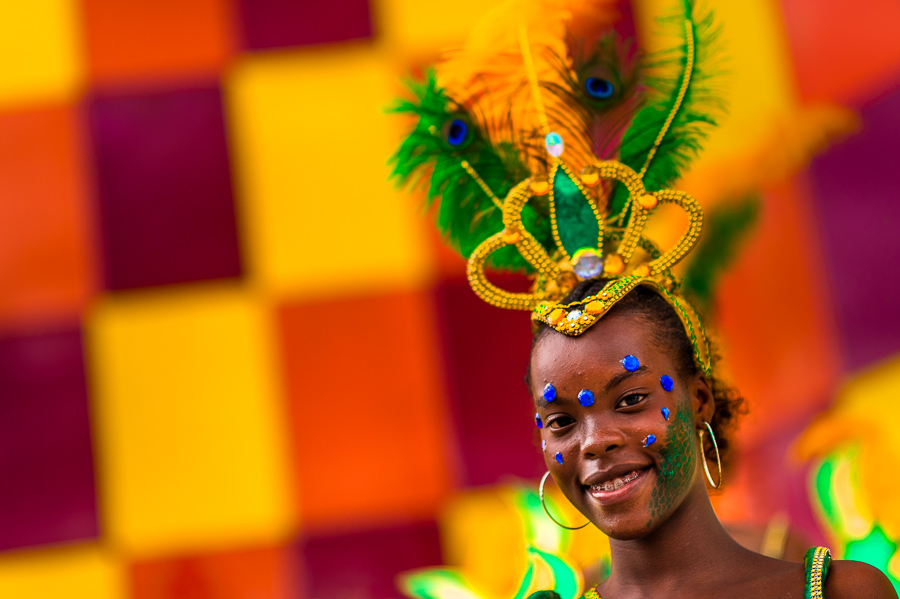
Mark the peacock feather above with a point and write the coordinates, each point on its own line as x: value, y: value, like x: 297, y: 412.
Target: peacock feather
x: 450, y: 154
x: 667, y: 132
x: 478, y: 135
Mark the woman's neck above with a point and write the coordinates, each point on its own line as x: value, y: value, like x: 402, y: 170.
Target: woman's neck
x: 691, y: 546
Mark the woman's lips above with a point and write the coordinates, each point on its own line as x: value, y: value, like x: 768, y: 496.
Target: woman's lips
x: 614, y: 490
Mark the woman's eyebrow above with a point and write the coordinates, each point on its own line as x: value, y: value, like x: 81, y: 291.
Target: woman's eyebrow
x: 617, y: 379
x: 543, y: 403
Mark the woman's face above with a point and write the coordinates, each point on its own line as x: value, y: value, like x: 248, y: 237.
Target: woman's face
x: 629, y: 458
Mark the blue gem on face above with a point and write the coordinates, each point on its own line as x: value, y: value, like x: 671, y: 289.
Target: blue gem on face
x: 630, y: 363
x: 665, y: 412
x: 538, y: 421
x: 649, y: 440
x: 559, y: 457
x: 586, y: 397
x: 549, y: 392
x: 667, y: 383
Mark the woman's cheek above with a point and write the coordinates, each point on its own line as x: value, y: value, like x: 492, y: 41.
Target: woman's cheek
x: 676, y: 464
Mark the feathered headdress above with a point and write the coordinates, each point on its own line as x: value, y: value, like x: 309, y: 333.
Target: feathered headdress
x: 548, y: 142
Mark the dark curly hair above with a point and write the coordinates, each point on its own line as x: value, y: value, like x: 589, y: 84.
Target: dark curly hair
x: 668, y: 333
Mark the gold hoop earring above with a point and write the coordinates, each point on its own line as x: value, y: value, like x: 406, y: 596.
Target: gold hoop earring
x: 544, y: 505
x: 712, y: 437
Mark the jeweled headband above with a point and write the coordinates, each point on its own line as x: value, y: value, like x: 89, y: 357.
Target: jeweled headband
x: 543, y: 90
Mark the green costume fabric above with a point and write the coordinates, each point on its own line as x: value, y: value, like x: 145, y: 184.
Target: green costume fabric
x: 816, y: 565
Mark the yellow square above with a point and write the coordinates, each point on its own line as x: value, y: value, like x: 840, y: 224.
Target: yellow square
x: 311, y: 143
x: 754, y: 63
x: 73, y: 572
x: 189, y: 424
x: 41, y: 47
x: 425, y: 28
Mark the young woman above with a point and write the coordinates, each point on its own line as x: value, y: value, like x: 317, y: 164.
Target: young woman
x: 548, y: 148
x: 628, y: 426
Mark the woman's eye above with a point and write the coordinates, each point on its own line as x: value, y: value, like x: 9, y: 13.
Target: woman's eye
x: 631, y: 400
x: 561, y: 422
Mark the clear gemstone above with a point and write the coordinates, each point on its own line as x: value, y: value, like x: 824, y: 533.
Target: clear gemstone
x: 554, y: 144
x: 587, y: 264
x: 574, y: 315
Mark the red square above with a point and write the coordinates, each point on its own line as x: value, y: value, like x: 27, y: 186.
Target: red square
x: 164, y: 187
x: 486, y: 352
x: 46, y: 457
x: 282, y: 23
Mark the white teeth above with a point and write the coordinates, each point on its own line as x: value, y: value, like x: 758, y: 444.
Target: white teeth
x: 616, y: 483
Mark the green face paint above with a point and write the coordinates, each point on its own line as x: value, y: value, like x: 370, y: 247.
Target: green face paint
x: 677, y: 463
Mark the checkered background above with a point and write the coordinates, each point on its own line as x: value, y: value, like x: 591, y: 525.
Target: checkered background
x: 236, y: 363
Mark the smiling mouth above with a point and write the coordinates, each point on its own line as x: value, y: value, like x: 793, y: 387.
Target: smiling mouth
x: 618, y: 482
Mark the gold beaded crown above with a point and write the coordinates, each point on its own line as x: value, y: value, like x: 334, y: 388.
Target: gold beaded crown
x: 560, y: 227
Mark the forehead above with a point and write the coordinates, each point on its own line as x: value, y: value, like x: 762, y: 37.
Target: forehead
x: 597, y: 353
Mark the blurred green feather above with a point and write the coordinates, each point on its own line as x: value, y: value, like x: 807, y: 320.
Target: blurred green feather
x: 466, y: 213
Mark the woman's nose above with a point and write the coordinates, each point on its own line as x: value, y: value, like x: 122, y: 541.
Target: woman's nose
x: 600, y: 437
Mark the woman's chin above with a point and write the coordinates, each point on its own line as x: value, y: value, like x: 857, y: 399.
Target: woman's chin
x: 625, y: 529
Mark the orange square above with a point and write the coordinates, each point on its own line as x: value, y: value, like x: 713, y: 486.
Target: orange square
x: 367, y: 410
x: 842, y: 53
x: 47, y: 268
x: 266, y: 573
x: 156, y: 38
x: 775, y: 314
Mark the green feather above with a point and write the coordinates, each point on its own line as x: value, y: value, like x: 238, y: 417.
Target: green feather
x: 466, y: 214
x: 695, y: 115
x: 726, y: 228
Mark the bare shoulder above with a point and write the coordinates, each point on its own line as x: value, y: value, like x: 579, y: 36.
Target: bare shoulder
x: 857, y: 580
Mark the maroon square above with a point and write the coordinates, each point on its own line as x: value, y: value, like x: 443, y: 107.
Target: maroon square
x: 280, y: 23
x: 366, y: 563
x: 856, y: 201
x: 46, y: 461
x: 486, y: 352
x: 164, y: 187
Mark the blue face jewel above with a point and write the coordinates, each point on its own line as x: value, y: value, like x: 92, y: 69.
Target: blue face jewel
x: 549, y: 392
x: 665, y: 413
x: 599, y: 89
x: 538, y: 421
x: 630, y: 363
x: 457, y: 132
x: 667, y: 383
x: 586, y: 397
x: 649, y: 440
x: 559, y: 457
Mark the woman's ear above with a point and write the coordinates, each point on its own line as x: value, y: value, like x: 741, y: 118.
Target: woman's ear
x: 703, y: 401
